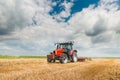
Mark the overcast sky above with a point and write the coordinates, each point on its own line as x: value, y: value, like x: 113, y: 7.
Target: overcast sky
x: 31, y: 27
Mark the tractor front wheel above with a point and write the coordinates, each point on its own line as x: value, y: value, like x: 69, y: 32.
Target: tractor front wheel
x: 50, y: 60
x: 64, y: 59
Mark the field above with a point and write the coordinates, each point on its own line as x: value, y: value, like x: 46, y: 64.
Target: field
x: 39, y: 69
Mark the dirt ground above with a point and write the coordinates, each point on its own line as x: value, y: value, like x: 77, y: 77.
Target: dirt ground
x: 39, y: 69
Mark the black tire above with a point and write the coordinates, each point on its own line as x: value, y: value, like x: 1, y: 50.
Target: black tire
x: 74, y: 57
x: 64, y: 59
x: 49, y: 60
x: 53, y: 60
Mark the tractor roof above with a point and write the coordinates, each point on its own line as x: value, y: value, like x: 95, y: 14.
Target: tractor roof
x: 65, y: 43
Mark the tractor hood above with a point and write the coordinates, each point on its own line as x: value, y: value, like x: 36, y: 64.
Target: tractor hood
x: 58, y: 52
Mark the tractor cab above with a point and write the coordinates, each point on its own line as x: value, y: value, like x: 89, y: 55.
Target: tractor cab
x: 65, y: 47
x: 63, y: 52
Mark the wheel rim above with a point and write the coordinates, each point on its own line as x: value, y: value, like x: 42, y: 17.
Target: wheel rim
x: 75, y: 58
x: 65, y: 59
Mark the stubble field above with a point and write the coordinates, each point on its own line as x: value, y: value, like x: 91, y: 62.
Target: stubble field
x: 39, y: 69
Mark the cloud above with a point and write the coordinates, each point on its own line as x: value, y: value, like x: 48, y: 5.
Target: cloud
x: 39, y: 29
x: 98, y: 22
x: 65, y: 11
x: 15, y: 15
x: 97, y: 26
x: 27, y: 28
x: 10, y: 16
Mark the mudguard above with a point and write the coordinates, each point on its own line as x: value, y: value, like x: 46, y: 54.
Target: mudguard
x: 73, y: 51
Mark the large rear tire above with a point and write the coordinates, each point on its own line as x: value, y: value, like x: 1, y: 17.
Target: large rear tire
x: 64, y: 59
x: 74, y: 57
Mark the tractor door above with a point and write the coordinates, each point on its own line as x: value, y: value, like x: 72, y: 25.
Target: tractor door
x: 69, y: 48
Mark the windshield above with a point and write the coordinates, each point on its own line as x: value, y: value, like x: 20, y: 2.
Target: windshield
x: 60, y: 46
x: 64, y: 46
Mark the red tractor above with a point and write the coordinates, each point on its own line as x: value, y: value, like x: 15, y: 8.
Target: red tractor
x: 64, y: 53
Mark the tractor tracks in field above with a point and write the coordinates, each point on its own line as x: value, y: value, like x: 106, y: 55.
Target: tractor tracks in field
x: 84, y: 66
x: 91, y: 69
x: 95, y: 69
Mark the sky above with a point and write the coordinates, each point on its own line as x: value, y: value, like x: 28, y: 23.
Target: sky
x: 31, y: 27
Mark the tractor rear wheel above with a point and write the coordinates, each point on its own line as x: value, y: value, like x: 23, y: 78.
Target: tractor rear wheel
x: 74, y: 57
x: 64, y: 59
